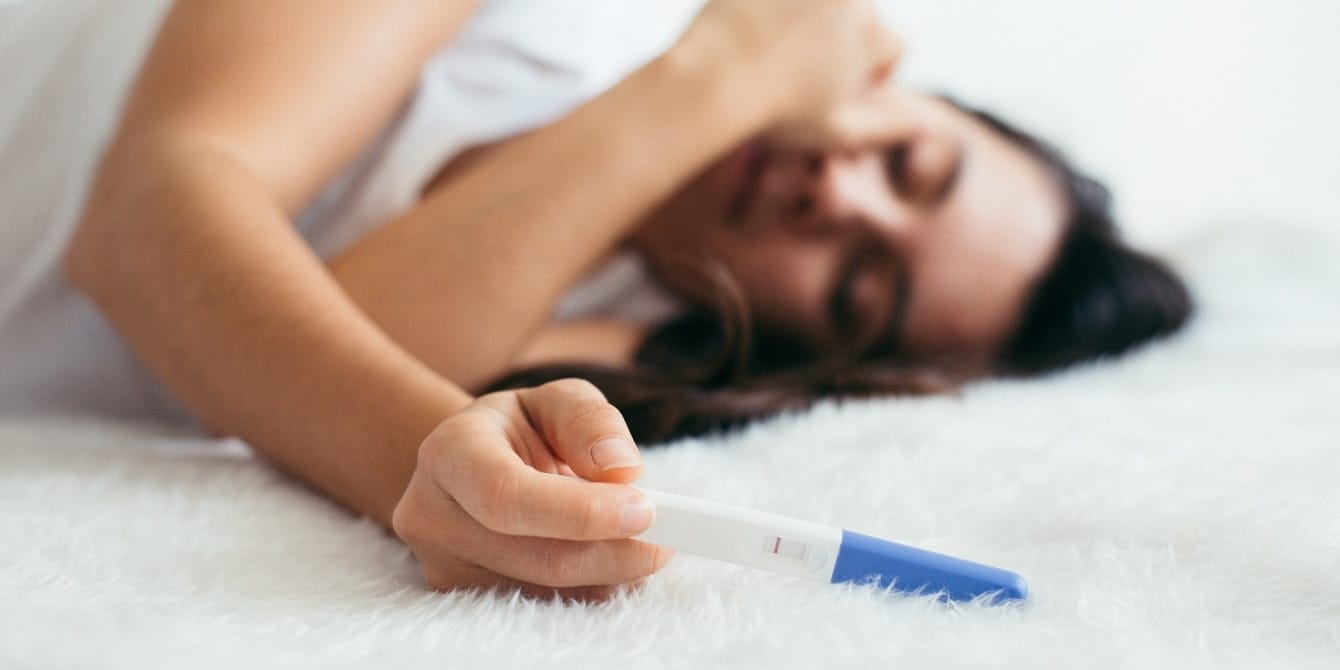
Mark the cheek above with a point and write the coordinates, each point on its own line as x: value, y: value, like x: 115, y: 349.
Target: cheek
x: 962, y: 307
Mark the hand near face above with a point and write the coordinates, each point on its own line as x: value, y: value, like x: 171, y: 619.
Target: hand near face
x: 528, y: 489
x: 820, y: 67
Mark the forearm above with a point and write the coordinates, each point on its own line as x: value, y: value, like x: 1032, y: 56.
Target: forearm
x: 200, y: 272
x: 465, y: 278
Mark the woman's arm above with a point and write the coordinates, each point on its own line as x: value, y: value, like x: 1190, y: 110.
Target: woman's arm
x: 497, y: 246
x: 242, y: 110
x: 601, y: 341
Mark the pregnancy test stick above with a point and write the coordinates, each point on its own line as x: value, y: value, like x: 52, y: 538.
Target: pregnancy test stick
x: 817, y: 552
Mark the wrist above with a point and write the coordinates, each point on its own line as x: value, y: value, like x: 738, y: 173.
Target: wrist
x: 410, y: 416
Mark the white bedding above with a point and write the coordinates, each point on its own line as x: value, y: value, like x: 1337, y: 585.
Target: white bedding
x: 1177, y: 508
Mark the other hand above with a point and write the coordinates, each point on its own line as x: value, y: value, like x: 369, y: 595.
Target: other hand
x: 819, y: 67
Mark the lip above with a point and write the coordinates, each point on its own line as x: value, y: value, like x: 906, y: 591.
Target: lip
x: 751, y: 160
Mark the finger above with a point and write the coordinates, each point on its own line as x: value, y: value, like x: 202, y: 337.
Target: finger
x: 866, y: 119
x: 531, y: 447
x: 583, y: 429
x: 873, y: 122
x: 472, y: 461
x: 448, y: 536
x: 884, y: 45
x: 888, y: 49
x: 543, y: 561
x: 453, y: 549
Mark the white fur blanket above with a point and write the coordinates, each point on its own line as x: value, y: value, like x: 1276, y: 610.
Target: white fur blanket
x: 1176, y: 508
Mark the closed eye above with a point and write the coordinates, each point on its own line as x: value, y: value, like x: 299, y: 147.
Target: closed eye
x: 842, y: 308
x: 925, y: 179
x: 857, y: 314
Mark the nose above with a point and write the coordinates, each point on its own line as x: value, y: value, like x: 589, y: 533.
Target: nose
x: 848, y: 193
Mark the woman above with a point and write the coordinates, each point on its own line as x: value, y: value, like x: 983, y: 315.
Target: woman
x: 867, y: 239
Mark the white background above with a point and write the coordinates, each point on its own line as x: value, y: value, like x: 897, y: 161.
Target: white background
x: 1196, y: 111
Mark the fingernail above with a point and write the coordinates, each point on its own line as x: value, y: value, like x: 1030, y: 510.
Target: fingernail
x: 614, y: 452
x: 637, y: 515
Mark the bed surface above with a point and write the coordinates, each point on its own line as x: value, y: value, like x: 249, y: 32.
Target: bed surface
x: 1177, y: 508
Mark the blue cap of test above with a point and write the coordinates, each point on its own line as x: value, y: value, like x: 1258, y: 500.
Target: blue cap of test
x: 863, y: 559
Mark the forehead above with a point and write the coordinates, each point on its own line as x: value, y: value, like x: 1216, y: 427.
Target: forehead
x: 978, y: 256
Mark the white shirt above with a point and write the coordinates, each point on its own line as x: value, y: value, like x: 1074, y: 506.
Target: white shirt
x: 66, y: 67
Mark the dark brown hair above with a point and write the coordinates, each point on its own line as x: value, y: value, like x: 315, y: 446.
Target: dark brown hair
x: 713, y: 369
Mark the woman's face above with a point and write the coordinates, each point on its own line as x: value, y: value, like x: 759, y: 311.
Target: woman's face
x: 930, y: 243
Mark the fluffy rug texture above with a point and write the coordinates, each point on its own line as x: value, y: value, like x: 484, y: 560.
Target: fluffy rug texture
x: 1176, y: 508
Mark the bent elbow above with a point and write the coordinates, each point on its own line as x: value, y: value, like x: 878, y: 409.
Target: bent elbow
x: 77, y: 260
x: 87, y: 250
x: 115, y: 211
